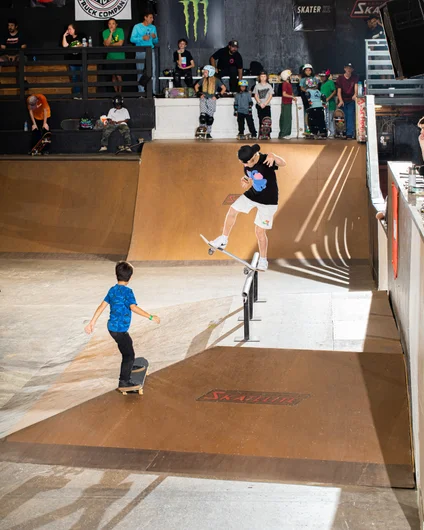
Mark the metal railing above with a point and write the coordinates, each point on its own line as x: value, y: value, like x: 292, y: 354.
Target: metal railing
x: 88, y: 64
x: 381, y: 81
x: 250, y: 297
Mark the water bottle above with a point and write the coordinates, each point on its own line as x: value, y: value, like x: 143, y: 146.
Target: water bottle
x: 90, y: 42
x: 360, y: 89
x: 26, y: 127
x: 84, y: 42
x: 167, y: 92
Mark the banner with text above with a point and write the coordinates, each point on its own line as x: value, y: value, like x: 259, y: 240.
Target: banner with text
x: 314, y: 16
x: 102, y: 9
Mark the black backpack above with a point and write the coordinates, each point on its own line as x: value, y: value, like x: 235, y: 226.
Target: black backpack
x: 256, y: 68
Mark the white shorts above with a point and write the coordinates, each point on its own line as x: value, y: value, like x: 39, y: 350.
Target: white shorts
x: 264, y: 215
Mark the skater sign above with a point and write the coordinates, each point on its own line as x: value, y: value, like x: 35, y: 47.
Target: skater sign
x: 310, y: 15
x: 102, y: 9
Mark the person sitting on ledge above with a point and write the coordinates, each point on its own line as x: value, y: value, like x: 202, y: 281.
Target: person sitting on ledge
x: 117, y: 118
x: 12, y: 40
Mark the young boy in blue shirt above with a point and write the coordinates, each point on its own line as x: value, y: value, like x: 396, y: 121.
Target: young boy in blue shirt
x: 122, y: 303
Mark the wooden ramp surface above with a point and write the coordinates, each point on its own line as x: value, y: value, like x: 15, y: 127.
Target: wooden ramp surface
x: 186, y: 187
x: 67, y: 206
x: 244, y: 413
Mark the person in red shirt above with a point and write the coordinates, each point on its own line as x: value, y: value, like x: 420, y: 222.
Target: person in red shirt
x: 347, y: 92
x: 286, y: 106
x: 39, y: 112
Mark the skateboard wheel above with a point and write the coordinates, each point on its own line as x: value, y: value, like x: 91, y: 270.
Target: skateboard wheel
x: 246, y: 270
x: 140, y: 391
x: 210, y: 252
x: 124, y: 393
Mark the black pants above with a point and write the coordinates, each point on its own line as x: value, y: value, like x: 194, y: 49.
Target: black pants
x: 232, y: 72
x: 38, y: 133
x: 316, y: 121
x: 125, y: 346
x: 250, y: 124
x: 188, y: 77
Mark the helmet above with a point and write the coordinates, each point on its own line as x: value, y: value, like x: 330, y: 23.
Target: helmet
x: 118, y: 101
x: 305, y: 66
x: 210, y: 69
x: 285, y: 74
x: 311, y: 82
x: 168, y: 72
x: 243, y: 82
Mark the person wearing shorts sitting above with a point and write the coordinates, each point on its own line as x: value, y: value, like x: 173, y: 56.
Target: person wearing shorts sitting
x: 260, y: 183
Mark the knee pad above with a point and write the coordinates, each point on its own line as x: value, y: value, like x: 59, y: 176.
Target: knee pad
x: 209, y: 120
x: 202, y: 119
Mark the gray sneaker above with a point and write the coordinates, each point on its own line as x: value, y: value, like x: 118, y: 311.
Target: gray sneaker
x: 263, y: 264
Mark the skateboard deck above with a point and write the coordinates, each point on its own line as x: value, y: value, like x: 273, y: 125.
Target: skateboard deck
x: 41, y: 144
x: 121, y: 149
x: 298, y: 118
x: 339, y: 124
x: 265, y: 129
x: 212, y: 250
x: 138, y: 377
x: 201, y: 132
x: 70, y: 124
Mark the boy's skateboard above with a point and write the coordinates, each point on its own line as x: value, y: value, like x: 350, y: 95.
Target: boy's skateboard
x: 298, y: 118
x: 138, y: 377
x: 122, y: 148
x: 41, y: 144
x: 265, y: 129
x: 339, y: 124
x: 201, y: 132
x: 247, y: 266
x: 70, y: 124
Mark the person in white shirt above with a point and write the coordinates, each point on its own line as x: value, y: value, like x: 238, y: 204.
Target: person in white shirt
x: 117, y: 118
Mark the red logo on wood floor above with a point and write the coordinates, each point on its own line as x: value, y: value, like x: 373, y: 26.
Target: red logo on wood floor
x: 231, y: 199
x: 253, y: 398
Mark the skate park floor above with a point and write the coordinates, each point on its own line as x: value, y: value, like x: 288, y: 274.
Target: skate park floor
x: 50, y: 366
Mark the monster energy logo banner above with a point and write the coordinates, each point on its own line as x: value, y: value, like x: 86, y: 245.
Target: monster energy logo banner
x: 196, y: 4
x: 200, y: 21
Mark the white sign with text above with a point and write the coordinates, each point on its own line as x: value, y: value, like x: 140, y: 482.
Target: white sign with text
x: 102, y: 9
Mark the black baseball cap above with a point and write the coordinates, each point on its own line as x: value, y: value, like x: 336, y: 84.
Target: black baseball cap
x: 233, y: 43
x: 350, y: 65
x: 247, y: 152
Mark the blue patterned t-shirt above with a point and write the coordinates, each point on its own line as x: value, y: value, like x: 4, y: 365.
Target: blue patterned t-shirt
x: 120, y: 297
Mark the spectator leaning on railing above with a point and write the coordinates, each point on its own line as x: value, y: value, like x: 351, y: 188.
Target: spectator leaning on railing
x: 114, y: 36
x: 145, y: 34
x: 12, y: 40
x: 73, y: 39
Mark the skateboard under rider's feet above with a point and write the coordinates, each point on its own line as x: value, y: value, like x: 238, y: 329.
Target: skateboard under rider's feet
x: 138, y: 377
x: 247, y: 266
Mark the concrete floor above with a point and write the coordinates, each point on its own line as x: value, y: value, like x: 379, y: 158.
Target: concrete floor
x: 46, y: 367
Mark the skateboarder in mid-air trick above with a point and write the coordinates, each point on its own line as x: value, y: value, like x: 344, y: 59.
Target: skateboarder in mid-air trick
x: 122, y: 303
x: 260, y: 181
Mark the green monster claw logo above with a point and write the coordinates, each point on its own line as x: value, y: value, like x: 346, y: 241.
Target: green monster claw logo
x: 196, y: 4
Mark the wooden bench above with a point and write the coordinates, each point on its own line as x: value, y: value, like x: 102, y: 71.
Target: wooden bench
x: 63, y: 76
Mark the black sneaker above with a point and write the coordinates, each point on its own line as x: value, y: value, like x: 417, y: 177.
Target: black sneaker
x: 128, y: 385
x: 208, y: 137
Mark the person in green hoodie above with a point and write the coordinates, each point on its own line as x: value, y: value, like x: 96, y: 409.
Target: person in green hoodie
x: 328, y: 89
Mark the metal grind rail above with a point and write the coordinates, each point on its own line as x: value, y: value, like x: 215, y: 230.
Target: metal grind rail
x: 250, y: 297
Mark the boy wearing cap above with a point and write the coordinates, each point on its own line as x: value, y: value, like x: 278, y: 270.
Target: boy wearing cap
x: 260, y: 181
x: 347, y: 92
x: 39, y: 112
x: 230, y: 63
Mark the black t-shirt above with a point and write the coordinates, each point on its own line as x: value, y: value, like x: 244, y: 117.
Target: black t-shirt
x: 227, y: 60
x: 185, y: 56
x: 13, y: 41
x: 76, y: 40
x: 265, y: 187
x: 376, y: 33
